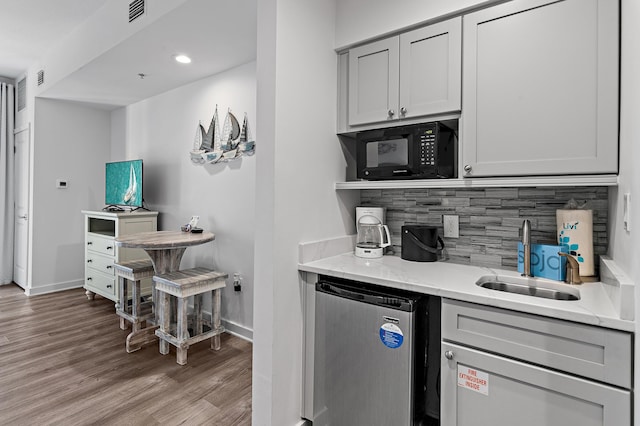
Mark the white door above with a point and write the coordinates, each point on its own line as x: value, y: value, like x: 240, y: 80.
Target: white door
x: 21, y: 228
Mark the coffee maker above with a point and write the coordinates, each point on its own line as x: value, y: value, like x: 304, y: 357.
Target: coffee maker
x: 373, y: 234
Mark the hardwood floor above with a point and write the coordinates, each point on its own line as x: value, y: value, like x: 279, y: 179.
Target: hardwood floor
x: 63, y: 361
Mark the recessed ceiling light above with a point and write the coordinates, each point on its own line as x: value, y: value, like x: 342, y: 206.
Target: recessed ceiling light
x: 183, y: 59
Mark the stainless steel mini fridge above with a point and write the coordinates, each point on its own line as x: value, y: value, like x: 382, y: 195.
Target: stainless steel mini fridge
x: 371, y: 356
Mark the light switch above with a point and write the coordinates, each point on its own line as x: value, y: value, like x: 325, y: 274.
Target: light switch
x: 451, y: 226
x: 626, y: 211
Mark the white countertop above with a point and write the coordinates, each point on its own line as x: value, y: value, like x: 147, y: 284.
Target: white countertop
x: 456, y: 281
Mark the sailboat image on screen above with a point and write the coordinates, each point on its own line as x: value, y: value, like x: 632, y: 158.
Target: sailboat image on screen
x: 123, y: 184
x: 132, y: 189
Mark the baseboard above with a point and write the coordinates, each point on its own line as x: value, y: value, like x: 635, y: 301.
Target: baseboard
x: 52, y: 288
x: 231, y: 327
x: 238, y: 330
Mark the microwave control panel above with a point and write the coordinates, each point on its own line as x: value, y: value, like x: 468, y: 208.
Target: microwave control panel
x: 428, y: 148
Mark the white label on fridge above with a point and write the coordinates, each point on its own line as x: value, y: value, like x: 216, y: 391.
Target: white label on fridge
x: 391, y: 335
x: 469, y: 378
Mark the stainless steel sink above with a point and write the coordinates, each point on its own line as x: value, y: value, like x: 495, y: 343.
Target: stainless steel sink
x: 530, y: 287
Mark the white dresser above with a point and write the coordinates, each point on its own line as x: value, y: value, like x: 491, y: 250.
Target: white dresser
x: 101, y: 230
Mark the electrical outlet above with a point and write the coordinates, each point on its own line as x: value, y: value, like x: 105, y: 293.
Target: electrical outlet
x: 451, y: 226
x: 237, y: 282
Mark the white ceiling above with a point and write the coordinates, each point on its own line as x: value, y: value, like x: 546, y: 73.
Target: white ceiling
x: 217, y: 34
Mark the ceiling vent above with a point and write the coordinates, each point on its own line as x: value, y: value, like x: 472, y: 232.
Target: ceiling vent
x: 136, y: 9
x: 40, y: 77
x: 22, y: 94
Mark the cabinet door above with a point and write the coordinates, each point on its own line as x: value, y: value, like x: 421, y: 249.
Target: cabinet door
x: 483, y: 389
x: 430, y: 69
x: 540, y: 85
x: 373, y: 82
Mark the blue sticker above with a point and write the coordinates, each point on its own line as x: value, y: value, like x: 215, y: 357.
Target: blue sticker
x: 391, y: 335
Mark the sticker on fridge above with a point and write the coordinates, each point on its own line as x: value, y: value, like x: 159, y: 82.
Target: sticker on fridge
x: 469, y: 378
x: 391, y: 335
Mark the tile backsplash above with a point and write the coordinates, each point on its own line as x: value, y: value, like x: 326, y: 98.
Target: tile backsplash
x: 490, y: 218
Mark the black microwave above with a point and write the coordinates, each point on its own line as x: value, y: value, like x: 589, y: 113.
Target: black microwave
x: 419, y: 151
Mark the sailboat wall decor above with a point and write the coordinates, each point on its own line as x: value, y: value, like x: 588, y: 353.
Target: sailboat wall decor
x: 215, y: 145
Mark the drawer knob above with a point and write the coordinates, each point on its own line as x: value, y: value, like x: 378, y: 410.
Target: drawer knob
x: 403, y: 111
x: 448, y: 354
x: 468, y: 168
x: 391, y: 113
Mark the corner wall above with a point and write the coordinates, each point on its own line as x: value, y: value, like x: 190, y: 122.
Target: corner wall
x: 300, y: 161
x: 161, y: 130
x: 71, y: 142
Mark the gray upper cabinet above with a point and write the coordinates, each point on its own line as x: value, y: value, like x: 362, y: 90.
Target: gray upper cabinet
x: 415, y: 74
x: 431, y: 69
x: 540, y: 85
x: 373, y: 82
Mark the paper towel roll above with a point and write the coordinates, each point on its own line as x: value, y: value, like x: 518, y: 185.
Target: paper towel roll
x: 575, y: 229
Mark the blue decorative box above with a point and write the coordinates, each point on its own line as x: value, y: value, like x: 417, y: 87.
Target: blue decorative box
x: 545, y: 261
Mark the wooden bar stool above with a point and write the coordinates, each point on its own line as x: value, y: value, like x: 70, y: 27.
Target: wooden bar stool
x: 182, y: 285
x: 132, y: 272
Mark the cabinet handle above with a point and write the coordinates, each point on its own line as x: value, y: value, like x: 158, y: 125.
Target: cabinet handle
x: 448, y: 354
x: 391, y: 113
x: 109, y: 266
x: 109, y: 248
x: 89, y: 243
x: 90, y: 260
x: 109, y: 286
x: 468, y: 168
x: 403, y: 111
x: 89, y: 279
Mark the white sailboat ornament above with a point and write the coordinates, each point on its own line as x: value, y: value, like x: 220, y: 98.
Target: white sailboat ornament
x: 245, y: 144
x: 230, y: 132
x: 198, y: 150
x: 211, y: 144
x: 214, y: 146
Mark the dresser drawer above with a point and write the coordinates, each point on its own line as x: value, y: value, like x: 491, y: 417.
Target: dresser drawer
x: 102, y: 284
x: 101, y: 244
x: 598, y: 353
x: 100, y: 262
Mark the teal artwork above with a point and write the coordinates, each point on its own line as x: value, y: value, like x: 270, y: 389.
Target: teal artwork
x: 574, y: 249
x: 123, y: 181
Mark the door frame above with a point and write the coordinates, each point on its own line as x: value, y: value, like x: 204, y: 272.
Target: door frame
x: 27, y: 186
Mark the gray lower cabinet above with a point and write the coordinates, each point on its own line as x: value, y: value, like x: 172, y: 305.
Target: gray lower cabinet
x: 500, y: 367
x: 540, y: 81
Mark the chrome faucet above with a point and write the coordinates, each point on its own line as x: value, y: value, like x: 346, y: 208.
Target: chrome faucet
x: 526, y: 244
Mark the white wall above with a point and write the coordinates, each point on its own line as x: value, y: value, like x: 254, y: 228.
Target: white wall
x: 299, y: 162
x: 625, y: 245
x: 160, y: 131
x: 71, y: 142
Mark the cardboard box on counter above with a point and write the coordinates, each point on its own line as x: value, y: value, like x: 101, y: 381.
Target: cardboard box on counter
x: 545, y: 261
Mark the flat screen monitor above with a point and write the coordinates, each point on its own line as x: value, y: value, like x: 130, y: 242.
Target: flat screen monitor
x: 123, y: 183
